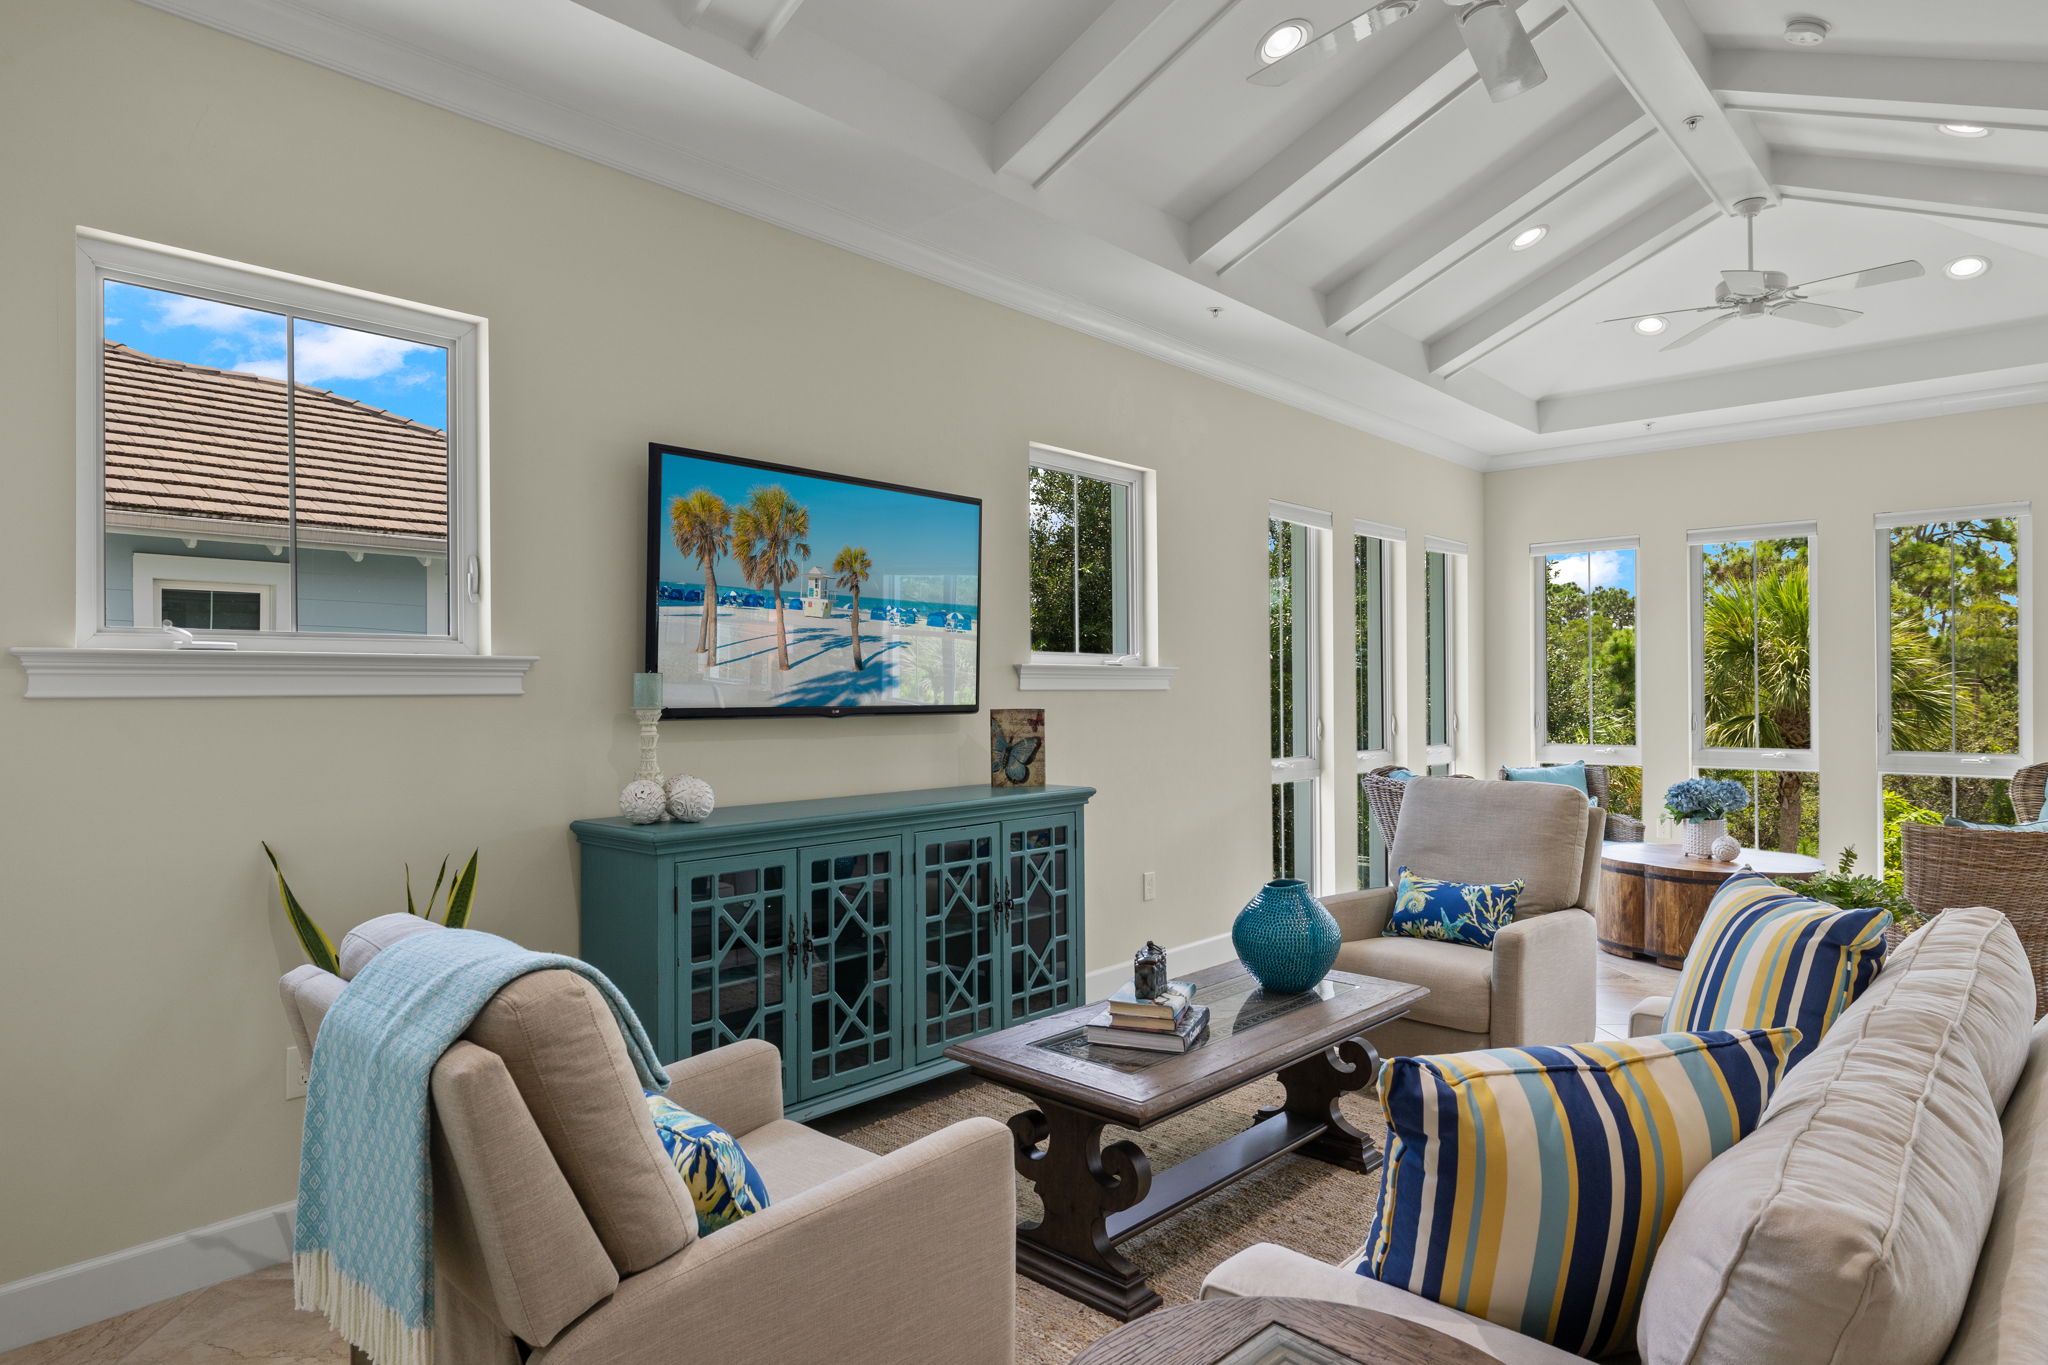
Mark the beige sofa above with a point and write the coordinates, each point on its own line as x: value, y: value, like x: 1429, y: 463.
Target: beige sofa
x: 1538, y: 982
x: 564, y: 1236
x: 1891, y: 1209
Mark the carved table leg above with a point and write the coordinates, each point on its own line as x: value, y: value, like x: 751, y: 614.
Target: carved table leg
x: 1313, y: 1087
x: 1080, y: 1182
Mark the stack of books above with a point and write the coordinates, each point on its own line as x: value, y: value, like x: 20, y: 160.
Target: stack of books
x: 1171, y: 1023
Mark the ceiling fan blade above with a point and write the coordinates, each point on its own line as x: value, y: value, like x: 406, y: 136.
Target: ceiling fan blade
x: 1341, y: 39
x: 1501, y: 49
x: 1864, y: 279
x: 1696, y: 333
x: 1747, y: 283
x: 1663, y: 313
x: 1819, y: 314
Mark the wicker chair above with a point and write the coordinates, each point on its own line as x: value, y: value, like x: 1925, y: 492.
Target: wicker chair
x: 1621, y: 829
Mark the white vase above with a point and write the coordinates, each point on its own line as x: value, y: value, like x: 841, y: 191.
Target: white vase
x: 1700, y: 836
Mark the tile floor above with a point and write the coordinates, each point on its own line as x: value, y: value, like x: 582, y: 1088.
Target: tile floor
x: 252, y: 1319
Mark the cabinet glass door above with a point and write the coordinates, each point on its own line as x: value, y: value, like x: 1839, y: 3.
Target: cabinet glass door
x: 957, y: 877
x: 1041, y: 867
x: 846, y: 953
x: 736, y: 954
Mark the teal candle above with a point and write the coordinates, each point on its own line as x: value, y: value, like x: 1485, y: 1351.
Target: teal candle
x: 646, y: 690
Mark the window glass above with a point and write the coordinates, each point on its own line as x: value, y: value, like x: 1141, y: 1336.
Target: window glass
x: 1783, y: 815
x: 1080, y: 564
x: 1436, y: 625
x: 1756, y: 650
x: 1292, y: 645
x: 1955, y: 637
x: 1372, y: 647
x: 1589, y: 647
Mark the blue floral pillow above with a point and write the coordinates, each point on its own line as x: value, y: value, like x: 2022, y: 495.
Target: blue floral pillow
x: 1451, y: 912
x: 723, y: 1183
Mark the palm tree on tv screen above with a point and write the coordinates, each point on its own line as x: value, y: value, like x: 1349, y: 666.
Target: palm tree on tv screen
x: 702, y: 524
x: 853, y: 567
x: 769, y: 537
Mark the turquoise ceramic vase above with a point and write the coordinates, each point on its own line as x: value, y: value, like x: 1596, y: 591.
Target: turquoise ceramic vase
x: 1285, y: 937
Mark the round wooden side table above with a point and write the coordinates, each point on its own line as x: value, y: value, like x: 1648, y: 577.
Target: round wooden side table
x: 1653, y: 897
x: 1310, y: 1331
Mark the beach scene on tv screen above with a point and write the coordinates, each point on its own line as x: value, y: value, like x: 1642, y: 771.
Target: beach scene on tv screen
x: 778, y: 589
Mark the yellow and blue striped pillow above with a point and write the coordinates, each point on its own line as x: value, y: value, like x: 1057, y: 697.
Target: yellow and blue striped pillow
x: 1530, y: 1186
x: 1767, y: 957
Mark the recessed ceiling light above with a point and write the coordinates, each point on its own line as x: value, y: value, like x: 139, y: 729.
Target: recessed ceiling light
x: 1964, y: 129
x: 1529, y: 237
x: 1806, y: 32
x: 1650, y: 327
x: 1282, y: 39
x: 1967, y: 267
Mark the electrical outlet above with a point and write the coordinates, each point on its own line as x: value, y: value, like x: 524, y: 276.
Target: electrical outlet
x: 1151, y: 886
x: 294, y: 1075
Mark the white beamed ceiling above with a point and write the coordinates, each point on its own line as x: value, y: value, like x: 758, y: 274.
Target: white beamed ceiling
x: 1340, y: 242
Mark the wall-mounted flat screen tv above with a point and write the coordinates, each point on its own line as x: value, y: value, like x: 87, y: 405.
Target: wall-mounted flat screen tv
x: 774, y: 591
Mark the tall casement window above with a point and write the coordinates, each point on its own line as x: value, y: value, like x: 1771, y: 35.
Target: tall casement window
x: 1443, y: 570
x: 1753, y: 677
x: 1586, y: 655
x: 1954, y: 660
x: 1375, y: 558
x: 1297, y: 560
x: 1091, y: 570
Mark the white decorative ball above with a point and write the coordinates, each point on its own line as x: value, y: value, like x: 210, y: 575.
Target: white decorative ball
x: 690, y: 798
x: 1726, y: 849
x: 643, y: 802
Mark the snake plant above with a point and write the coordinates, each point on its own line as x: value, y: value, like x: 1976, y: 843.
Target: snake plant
x: 320, y: 948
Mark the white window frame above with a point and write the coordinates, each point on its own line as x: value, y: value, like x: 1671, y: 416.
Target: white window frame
x: 1619, y: 755
x: 153, y: 573
x: 1805, y: 760
x: 143, y: 660
x: 1312, y: 767
x: 1139, y: 669
x: 1456, y: 554
x: 1393, y: 542
x: 1892, y: 762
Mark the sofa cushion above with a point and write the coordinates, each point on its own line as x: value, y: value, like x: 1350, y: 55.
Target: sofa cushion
x: 793, y: 1158
x: 1464, y: 830
x: 562, y: 1047
x: 2006, y: 1319
x: 1459, y: 978
x: 1530, y: 1186
x: 1768, y: 957
x: 1268, y: 1271
x: 723, y: 1184
x: 1846, y: 1229
x: 1450, y: 912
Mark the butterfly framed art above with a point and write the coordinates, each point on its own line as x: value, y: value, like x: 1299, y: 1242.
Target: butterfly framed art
x: 1016, y: 742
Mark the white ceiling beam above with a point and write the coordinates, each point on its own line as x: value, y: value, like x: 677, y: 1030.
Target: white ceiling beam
x: 1659, y: 53
x: 1663, y: 224
x: 1988, y: 350
x: 1948, y: 191
x: 1489, y: 210
x: 1409, y: 90
x: 1997, y: 94
x: 1114, y: 60
x: 777, y: 22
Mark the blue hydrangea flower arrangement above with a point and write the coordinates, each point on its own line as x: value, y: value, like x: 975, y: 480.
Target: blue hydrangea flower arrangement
x: 1705, y: 798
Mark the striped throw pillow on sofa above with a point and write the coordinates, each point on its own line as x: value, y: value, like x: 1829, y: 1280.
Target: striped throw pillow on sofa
x: 1767, y: 957
x: 1530, y: 1186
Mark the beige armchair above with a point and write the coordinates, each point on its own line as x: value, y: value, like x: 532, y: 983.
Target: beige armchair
x: 562, y: 1235
x: 1538, y: 982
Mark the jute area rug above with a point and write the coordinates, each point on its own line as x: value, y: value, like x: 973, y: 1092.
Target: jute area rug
x: 1296, y: 1202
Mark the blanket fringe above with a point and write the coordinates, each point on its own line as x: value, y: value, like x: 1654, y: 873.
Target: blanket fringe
x: 356, y: 1313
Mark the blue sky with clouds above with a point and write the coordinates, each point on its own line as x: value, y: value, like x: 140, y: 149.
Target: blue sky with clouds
x: 398, y: 376
x: 1606, y: 568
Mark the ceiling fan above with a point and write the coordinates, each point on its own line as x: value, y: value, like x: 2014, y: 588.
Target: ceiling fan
x: 1754, y: 293
x: 1499, y: 45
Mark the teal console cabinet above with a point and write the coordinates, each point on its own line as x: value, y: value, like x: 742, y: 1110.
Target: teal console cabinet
x: 861, y: 935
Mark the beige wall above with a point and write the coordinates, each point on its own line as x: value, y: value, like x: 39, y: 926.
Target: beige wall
x: 143, y: 1063
x: 1840, y: 479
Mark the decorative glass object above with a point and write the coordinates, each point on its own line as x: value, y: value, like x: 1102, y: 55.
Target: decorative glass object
x: 1148, y: 972
x: 1285, y: 937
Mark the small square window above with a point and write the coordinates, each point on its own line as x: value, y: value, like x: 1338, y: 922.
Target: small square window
x: 1090, y: 572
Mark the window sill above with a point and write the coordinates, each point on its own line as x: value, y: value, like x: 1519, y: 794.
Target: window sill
x: 1048, y: 677
x: 82, y: 673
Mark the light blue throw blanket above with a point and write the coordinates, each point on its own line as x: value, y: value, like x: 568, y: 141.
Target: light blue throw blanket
x: 363, y: 1253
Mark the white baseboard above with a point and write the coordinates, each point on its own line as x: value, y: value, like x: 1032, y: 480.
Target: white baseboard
x: 73, y: 1296
x: 1189, y: 957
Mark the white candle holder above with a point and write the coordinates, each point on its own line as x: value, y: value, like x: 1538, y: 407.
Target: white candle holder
x: 650, y: 733
x: 645, y: 799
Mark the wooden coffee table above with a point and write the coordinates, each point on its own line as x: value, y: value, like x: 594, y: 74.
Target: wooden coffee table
x: 1289, y: 1331
x: 1653, y: 897
x: 1097, y: 1196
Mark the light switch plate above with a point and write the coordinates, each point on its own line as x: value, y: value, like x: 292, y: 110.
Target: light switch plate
x: 294, y: 1075
x: 1151, y: 886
